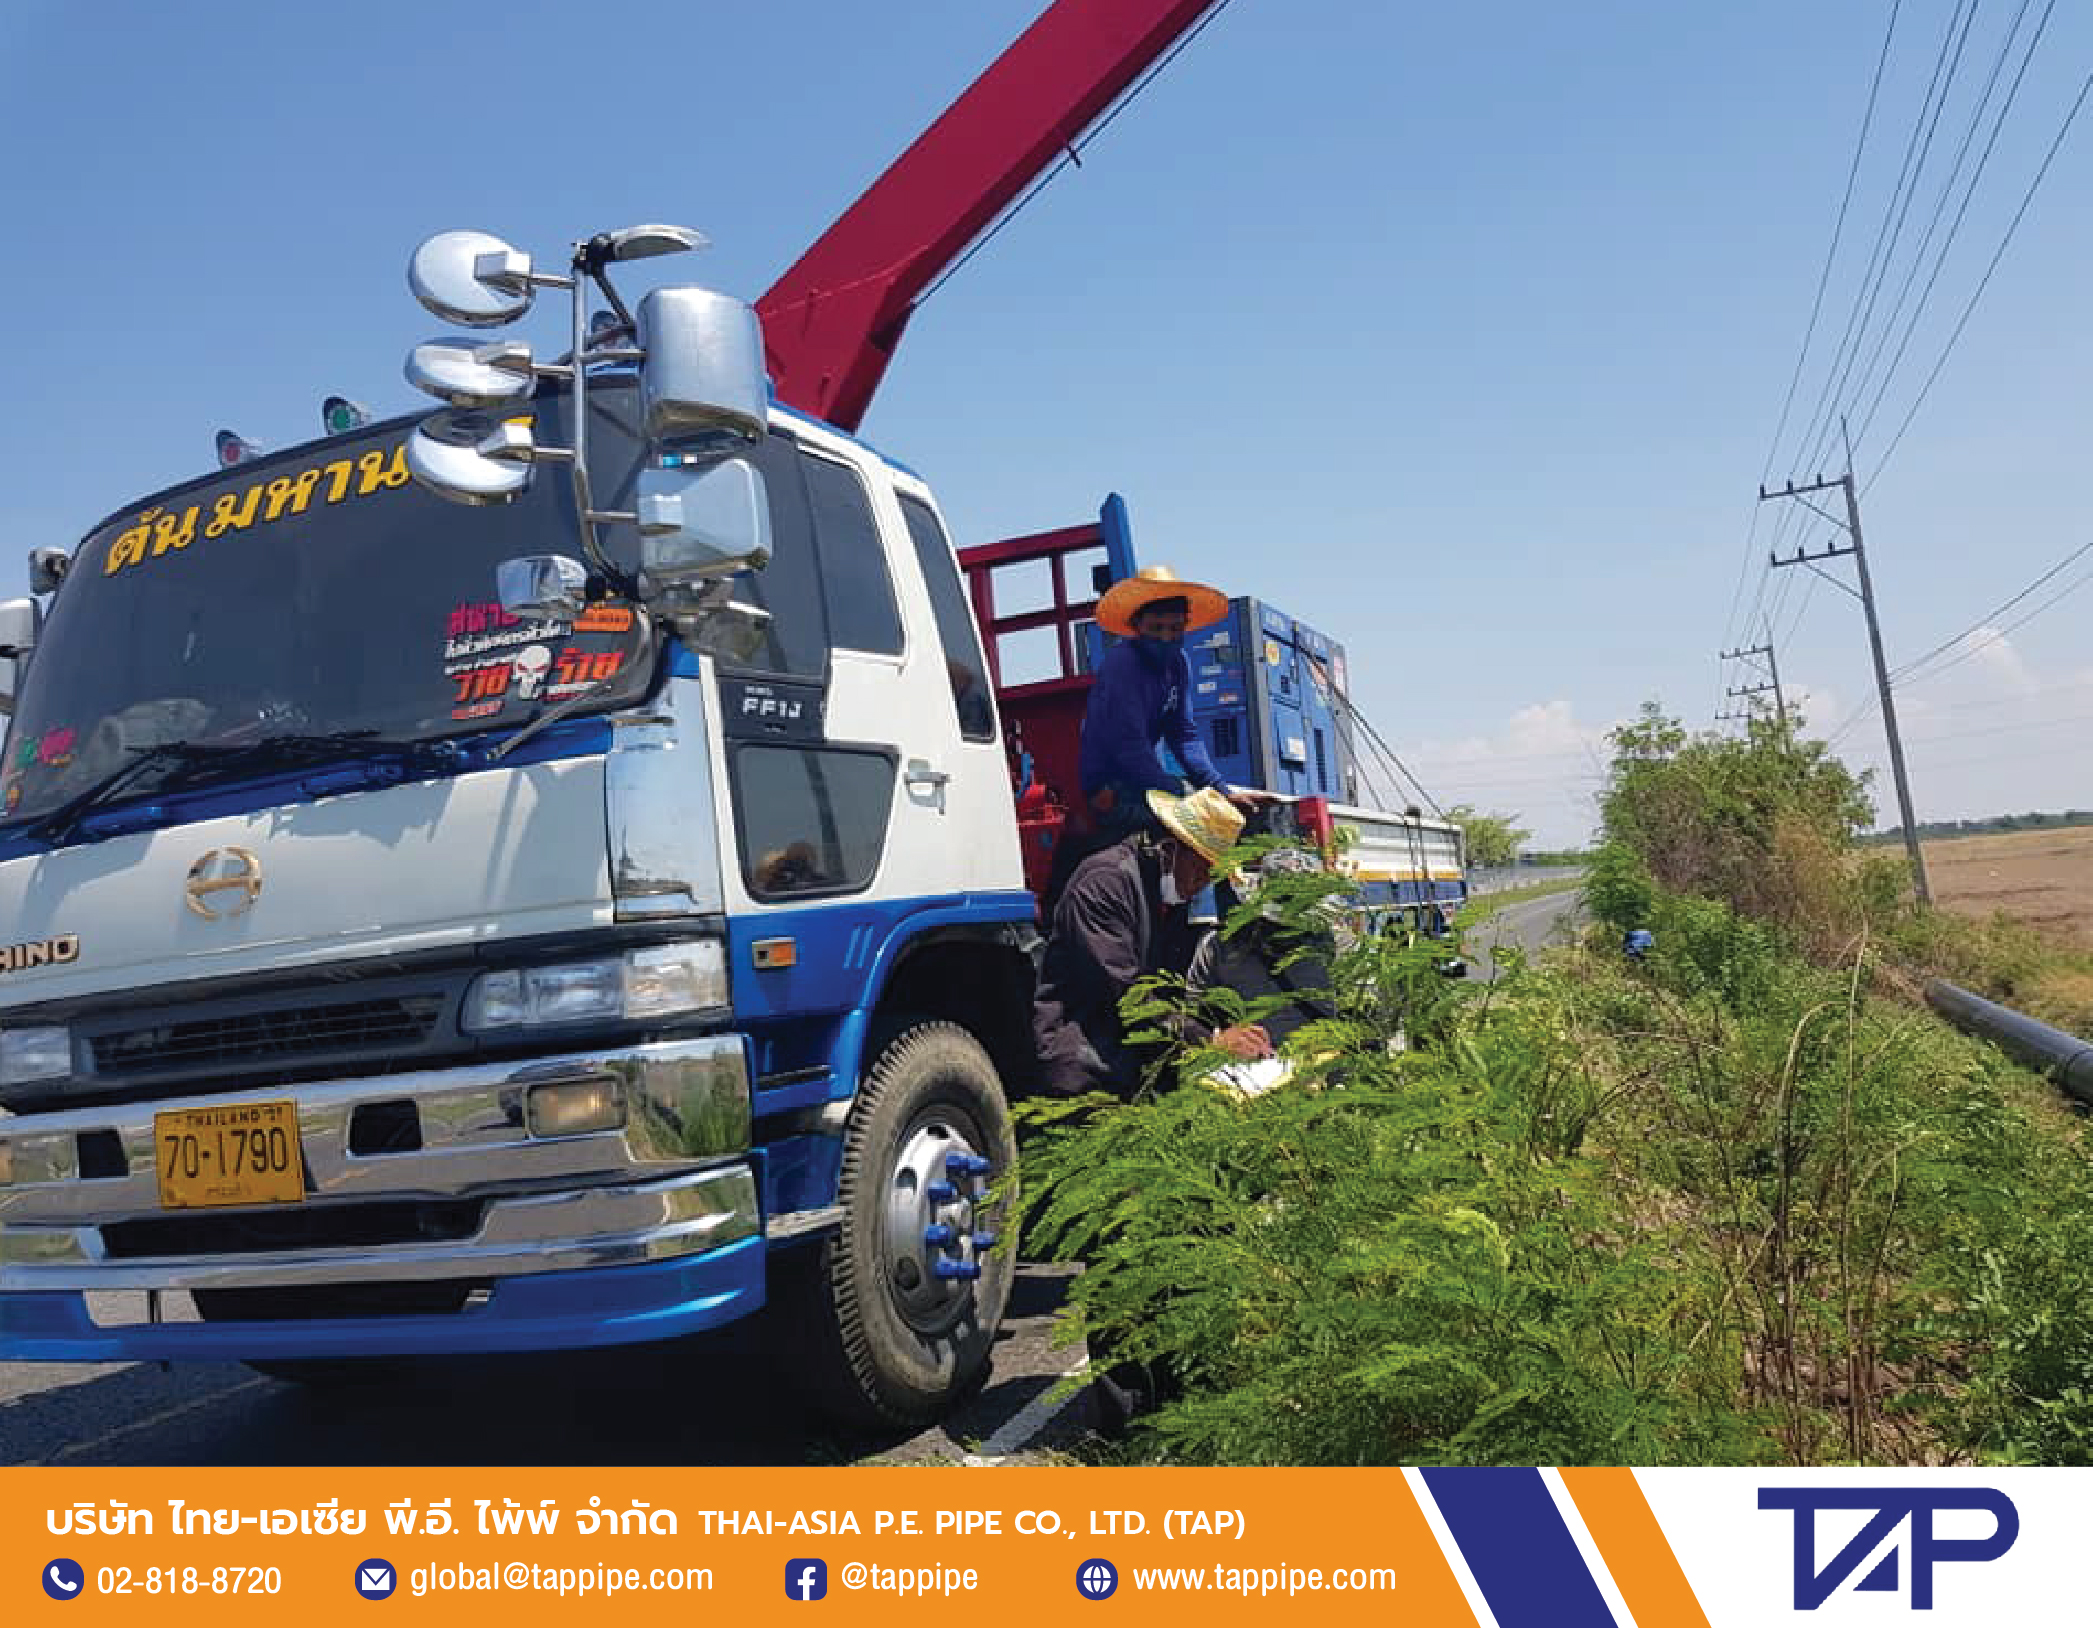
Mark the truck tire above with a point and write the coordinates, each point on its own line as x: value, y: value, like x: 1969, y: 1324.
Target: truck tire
x: 879, y: 1336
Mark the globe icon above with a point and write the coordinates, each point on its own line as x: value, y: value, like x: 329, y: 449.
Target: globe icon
x: 1096, y: 1579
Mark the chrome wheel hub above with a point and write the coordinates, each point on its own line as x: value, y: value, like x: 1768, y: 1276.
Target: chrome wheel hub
x: 935, y: 1234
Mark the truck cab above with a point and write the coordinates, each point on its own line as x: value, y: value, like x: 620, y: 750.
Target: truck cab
x: 426, y: 934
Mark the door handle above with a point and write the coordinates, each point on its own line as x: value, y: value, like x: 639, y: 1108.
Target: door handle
x: 922, y: 777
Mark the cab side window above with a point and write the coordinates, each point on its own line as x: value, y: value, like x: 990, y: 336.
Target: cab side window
x: 789, y: 587
x: 855, y: 582
x: 827, y: 584
x: 955, y: 622
x: 812, y: 820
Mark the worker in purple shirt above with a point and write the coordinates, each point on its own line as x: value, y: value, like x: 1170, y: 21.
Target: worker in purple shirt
x: 1142, y: 699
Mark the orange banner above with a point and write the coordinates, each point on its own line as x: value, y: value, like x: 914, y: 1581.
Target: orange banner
x: 520, y: 1545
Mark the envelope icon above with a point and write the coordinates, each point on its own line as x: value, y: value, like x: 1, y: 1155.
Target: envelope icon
x: 374, y: 1579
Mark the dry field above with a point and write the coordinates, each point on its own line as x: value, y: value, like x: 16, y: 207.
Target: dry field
x: 2042, y: 878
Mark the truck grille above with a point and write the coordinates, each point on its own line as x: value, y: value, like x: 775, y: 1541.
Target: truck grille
x: 317, y: 1226
x: 282, y: 1037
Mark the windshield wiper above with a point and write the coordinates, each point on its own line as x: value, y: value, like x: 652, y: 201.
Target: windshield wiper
x: 270, y: 751
x: 545, y: 716
x: 350, y: 743
x: 183, y: 754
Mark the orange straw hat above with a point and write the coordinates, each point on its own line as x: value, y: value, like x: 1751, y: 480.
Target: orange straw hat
x: 1206, y: 822
x: 1204, y: 606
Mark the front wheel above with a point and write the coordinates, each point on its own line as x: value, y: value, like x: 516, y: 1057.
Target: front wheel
x: 892, y: 1316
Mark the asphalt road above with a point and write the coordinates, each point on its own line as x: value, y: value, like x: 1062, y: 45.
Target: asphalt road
x: 695, y: 1402
x: 1530, y: 926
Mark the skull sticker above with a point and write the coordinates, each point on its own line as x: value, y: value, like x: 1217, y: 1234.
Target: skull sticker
x: 532, y: 664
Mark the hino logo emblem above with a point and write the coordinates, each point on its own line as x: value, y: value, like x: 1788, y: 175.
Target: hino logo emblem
x: 224, y: 870
x: 45, y: 952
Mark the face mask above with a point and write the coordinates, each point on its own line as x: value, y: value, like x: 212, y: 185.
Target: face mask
x: 1155, y: 652
x: 1170, y: 894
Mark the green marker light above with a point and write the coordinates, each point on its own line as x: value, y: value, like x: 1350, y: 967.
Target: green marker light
x: 339, y: 415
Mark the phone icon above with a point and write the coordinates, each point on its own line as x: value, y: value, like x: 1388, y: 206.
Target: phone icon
x: 64, y: 1578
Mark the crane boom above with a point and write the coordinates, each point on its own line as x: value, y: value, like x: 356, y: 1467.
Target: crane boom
x: 831, y: 323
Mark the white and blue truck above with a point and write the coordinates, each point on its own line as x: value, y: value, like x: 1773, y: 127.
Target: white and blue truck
x: 453, y: 904
x: 545, y: 874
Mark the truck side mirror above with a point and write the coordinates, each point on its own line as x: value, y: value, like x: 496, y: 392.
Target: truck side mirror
x: 20, y: 622
x: 47, y: 569
x: 700, y: 524
x: 542, y: 587
x: 730, y: 632
x: 702, y: 379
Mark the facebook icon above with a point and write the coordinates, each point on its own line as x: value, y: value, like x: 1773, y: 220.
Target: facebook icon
x: 806, y: 1579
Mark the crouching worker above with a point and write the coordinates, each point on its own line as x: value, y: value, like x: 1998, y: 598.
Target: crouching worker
x: 1122, y: 917
x: 1278, y: 962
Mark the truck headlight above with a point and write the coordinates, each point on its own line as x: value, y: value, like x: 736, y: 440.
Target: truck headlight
x: 35, y: 1054
x: 660, y: 981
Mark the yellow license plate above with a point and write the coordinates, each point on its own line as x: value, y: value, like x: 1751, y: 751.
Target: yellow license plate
x: 242, y: 1153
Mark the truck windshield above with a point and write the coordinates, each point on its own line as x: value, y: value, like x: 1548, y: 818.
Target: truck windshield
x: 318, y: 591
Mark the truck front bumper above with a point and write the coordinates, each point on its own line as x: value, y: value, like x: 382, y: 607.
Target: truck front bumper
x: 641, y: 1231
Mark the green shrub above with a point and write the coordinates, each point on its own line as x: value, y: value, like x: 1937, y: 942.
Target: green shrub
x: 1618, y: 889
x: 1724, y: 1206
x: 1380, y: 1271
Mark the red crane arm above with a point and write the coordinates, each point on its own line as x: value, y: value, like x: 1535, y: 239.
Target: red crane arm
x: 831, y: 323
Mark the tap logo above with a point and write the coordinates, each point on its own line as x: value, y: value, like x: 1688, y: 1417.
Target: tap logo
x: 806, y: 1579
x: 1891, y: 1506
x: 232, y: 871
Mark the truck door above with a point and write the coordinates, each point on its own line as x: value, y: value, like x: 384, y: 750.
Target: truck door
x: 850, y: 775
x: 975, y: 836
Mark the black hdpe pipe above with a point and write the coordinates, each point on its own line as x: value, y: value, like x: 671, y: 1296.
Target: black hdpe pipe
x: 2064, y: 1057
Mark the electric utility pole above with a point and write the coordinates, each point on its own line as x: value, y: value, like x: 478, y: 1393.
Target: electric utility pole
x: 1851, y: 526
x: 1780, y: 701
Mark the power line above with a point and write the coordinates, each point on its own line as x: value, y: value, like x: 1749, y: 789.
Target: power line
x: 1787, y: 634
x: 1902, y: 196
x: 1906, y: 677
x: 1815, y: 441
x: 1998, y: 634
x: 2007, y: 729
x: 1947, y: 192
x: 1984, y: 282
x: 1970, y: 192
x: 1809, y: 332
x: 1854, y: 719
x: 1992, y: 615
x: 2067, y: 687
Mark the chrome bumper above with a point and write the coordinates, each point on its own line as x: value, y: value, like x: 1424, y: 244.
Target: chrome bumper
x: 671, y: 1181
